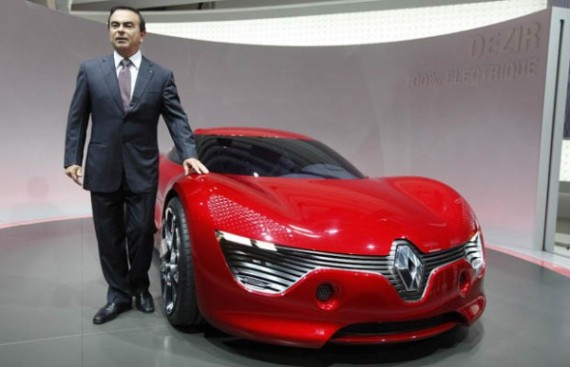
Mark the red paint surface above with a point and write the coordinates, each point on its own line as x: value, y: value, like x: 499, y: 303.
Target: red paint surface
x: 354, y: 216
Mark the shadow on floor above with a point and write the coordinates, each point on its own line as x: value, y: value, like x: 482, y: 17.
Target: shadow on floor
x: 460, y: 337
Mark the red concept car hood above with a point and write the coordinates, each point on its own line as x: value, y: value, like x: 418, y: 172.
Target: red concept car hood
x: 358, y: 216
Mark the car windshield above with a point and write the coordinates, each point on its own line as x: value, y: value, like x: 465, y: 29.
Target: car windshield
x: 272, y: 157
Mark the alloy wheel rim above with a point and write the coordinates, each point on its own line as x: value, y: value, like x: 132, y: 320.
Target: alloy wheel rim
x: 169, y: 270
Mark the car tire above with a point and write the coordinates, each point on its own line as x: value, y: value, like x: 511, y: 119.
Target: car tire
x: 177, y: 269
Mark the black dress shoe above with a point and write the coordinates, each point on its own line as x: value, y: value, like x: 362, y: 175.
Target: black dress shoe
x: 110, y: 312
x: 144, y: 302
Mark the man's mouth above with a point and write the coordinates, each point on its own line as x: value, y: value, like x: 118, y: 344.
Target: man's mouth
x: 120, y: 39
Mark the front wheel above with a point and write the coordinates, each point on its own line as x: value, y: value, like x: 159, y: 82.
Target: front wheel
x: 177, y: 268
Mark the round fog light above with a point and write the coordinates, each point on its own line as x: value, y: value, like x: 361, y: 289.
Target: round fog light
x: 464, y: 284
x: 324, y: 292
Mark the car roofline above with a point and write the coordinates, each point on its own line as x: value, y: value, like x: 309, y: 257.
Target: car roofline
x: 251, y: 132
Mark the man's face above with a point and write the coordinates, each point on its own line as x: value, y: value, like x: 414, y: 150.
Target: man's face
x: 124, y: 32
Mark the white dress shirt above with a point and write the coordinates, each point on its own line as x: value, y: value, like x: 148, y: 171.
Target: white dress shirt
x: 136, y: 60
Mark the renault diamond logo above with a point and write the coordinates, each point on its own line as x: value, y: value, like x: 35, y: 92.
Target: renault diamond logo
x: 409, y: 267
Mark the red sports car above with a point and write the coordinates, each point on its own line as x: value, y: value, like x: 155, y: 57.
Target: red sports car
x: 286, y: 242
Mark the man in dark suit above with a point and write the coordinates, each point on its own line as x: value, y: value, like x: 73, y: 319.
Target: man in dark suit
x: 124, y: 93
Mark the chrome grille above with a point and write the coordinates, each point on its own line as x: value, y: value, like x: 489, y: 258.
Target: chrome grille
x: 274, y: 271
x: 472, y: 251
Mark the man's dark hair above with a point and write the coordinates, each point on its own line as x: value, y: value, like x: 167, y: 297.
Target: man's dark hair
x: 142, y: 23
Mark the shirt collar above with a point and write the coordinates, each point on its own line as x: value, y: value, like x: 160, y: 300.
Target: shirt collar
x: 136, y: 59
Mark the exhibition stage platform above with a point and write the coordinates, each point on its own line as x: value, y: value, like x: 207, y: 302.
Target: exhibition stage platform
x: 51, y: 286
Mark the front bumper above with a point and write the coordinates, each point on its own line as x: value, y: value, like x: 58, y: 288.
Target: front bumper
x: 364, y: 307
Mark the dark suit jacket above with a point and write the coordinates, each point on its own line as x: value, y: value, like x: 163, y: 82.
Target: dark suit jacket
x: 123, y: 141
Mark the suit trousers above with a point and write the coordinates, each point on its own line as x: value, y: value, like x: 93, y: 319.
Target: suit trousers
x: 124, y: 226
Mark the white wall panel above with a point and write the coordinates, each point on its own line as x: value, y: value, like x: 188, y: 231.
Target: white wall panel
x: 437, y: 107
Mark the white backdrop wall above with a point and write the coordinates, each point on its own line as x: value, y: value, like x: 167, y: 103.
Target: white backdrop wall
x: 465, y: 108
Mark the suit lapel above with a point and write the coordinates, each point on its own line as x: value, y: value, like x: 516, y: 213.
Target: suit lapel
x: 110, y: 75
x: 145, y: 75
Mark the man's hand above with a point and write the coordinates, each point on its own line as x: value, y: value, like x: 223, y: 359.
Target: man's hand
x: 192, y: 164
x: 74, y: 172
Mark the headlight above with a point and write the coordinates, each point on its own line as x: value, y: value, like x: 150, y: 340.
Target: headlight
x: 474, y: 253
x: 245, y: 241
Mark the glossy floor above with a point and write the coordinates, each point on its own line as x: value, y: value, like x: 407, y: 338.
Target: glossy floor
x: 51, y: 285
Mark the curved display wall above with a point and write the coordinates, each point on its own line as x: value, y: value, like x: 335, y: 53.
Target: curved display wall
x: 465, y: 108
